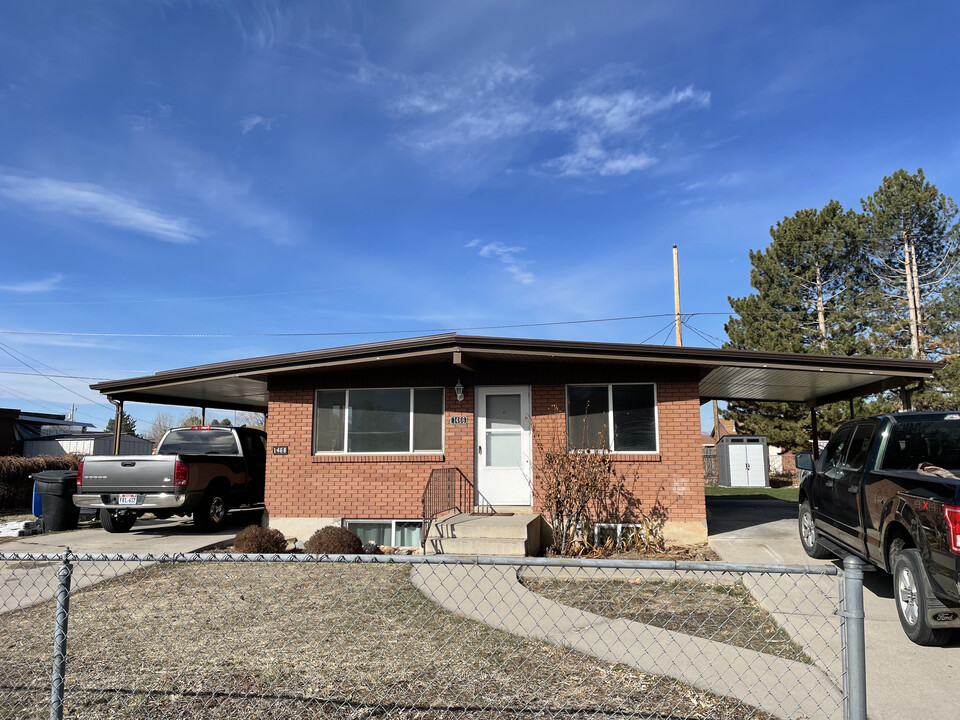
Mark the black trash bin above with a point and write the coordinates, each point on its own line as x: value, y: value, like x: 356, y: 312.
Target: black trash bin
x: 56, y: 489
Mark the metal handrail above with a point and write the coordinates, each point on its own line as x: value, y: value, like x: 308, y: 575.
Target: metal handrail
x: 448, y: 489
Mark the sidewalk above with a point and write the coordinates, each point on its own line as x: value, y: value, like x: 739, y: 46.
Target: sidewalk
x: 493, y: 595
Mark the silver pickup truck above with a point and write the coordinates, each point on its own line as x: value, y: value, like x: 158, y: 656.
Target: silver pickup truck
x: 203, y: 471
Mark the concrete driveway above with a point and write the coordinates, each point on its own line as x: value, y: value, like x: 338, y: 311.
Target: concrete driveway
x: 904, y: 680
x: 26, y: 583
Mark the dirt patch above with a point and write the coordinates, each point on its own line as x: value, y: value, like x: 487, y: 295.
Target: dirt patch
x: 337, y: 640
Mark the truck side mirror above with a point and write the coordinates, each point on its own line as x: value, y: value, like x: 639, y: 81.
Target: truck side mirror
x: 805, y: 461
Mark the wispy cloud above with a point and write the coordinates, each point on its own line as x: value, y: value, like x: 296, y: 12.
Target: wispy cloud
x: 97, y: 204
x: 506, y: 255
x: 35, y: 286
x: 249, y: 123
x: 605, y: 123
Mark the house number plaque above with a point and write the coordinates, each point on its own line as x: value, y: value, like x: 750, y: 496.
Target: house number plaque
x: 279, y: 449
x: 458, y: 419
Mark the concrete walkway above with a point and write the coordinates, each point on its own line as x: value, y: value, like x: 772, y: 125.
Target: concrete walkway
x: 494, y: 596
x: 26, y: 583
x: 904, y: 681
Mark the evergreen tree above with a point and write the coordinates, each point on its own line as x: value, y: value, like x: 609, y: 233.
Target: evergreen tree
x: 814, y: 293
x: 128, y: 426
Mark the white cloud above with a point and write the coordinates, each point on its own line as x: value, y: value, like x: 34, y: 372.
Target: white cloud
x: 508, y: 256
x: 249, y: 122
x: 97, y: 204
x: 605, y: 122
x: 35, y: 286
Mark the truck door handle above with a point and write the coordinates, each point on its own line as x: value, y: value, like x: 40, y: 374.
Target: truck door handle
x: 828, y: 483
x: 127, y: 464
x: 853, y: 489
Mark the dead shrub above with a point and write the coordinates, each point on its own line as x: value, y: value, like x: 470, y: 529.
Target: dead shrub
x: 579, y: 489
x: 261, y: 540
x: 333, y: 540
x: 16, y: 487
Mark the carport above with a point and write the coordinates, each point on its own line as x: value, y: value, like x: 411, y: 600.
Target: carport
x: 726, y: 375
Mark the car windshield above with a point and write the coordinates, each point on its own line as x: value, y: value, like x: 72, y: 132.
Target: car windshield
x: 198, y: 442
x: 923, y: 441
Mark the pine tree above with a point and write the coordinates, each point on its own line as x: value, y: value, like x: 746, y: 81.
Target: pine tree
x: 128, y: 426
x: 813, y: 293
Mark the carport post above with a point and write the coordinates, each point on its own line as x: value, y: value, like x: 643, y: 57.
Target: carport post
x: 117, y: 424
x: 814, y: 432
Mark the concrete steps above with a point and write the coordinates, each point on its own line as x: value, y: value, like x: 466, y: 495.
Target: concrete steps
x: 511, y: 535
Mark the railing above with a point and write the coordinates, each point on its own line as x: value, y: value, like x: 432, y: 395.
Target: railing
x: 448, y: 490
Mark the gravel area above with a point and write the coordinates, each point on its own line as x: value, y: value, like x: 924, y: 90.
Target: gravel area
x: 231, y: 640
x: 721, y: 611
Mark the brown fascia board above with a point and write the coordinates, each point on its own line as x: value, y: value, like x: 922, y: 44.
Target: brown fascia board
x: 556, y: 349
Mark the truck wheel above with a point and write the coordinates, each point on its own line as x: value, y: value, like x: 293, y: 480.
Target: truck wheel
x: 809, y: 537
x: 116, y: 521
x: 910, y: 587
x: 211, y: 514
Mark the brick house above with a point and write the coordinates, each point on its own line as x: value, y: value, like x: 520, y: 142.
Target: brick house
x: 357, y: 432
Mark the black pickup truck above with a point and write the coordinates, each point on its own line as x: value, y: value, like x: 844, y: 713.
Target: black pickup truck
x: 886, y: 489
x: 200, y: 471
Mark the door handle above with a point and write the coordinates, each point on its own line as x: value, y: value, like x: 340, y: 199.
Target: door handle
x: 853, y: 489
x: 828, y: 483
x: 479, y: 449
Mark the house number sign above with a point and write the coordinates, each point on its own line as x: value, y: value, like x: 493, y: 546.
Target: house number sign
x: 458, y: 419
x: 279, y: 449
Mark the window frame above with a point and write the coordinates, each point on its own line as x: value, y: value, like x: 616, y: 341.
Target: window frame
x: 610, y: 410
x: 411, y: 415
x: 347, y: 522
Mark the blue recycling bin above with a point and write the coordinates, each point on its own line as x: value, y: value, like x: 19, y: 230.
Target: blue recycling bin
x: 37, y: 505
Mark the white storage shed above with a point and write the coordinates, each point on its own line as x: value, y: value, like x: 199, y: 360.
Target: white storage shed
x: 742, y: 461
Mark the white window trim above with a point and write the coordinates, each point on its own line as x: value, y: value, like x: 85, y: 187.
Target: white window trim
x: 610, y: 428
x: 383, y: 521
x: 346, y: 423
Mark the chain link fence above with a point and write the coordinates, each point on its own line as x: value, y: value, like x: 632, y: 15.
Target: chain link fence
x: 302, y: 636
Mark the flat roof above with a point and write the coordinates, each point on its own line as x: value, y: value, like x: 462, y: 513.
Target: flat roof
x: 724, y: 374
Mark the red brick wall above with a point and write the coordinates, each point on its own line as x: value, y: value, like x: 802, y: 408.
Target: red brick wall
x: 300, y: 484
x: 674, y: 476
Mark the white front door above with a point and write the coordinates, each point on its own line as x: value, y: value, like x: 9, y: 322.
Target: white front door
x: 504, y: 446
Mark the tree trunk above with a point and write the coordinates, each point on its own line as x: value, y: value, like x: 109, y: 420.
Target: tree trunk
x: 917, y: 303
x: 821, y: 315
x: 911, y: 296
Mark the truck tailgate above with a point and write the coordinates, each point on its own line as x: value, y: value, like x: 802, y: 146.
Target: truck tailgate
x: 132, y: 473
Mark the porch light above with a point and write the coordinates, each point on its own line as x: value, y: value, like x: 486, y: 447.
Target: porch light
x: 458, y: 389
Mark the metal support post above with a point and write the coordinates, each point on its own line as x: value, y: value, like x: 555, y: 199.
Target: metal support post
x: 854, y: 649
x: 64, y: 575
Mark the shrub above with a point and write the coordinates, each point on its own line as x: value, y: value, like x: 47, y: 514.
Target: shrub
x: 15, y: 486
x: 332, y: 540
x: 256, y: 539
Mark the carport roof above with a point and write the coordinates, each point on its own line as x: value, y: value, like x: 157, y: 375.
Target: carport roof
x: 724, y: 374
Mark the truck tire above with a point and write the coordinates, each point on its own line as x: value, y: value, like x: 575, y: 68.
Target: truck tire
x: 116, y: 521
x: 809, y: 537
x: 910, y: 587
x: 211, y: 513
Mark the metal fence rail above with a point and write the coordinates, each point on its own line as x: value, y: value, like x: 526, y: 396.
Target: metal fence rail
x: 292, y: 636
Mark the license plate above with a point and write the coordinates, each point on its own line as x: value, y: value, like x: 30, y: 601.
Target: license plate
x: 128, y: 500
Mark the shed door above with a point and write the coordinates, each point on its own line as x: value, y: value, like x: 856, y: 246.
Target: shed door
x: 747, y: 468
x: 504, y: 446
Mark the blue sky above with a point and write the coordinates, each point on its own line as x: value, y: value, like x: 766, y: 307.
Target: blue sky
x: 246, y: 172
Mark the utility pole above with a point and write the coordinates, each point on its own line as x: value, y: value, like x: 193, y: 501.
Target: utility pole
x: 676, y: 294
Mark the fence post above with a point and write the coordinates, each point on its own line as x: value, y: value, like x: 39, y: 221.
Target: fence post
x: 854, y: 650
x: 64, y: 575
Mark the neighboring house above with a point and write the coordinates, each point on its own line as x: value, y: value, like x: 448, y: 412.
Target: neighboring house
x: 86, y: 444
x: 16, y: 426
x: 357, y: 431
